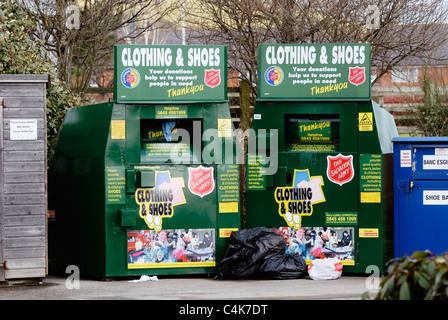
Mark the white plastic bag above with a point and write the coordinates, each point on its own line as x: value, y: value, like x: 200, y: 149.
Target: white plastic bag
x: 145, y: 278
x: 325, y: 269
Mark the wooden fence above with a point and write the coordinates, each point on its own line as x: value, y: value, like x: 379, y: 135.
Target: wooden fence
x: 23, y: 177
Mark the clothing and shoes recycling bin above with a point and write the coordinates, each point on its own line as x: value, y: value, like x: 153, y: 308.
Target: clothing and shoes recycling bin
x: 331, y: 192
x: 421, y: 194
x: 148, y: 183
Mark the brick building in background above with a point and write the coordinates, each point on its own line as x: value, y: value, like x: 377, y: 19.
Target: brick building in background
x: 401, y: 90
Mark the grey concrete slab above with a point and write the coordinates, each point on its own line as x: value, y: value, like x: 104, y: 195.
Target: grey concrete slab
x: 192, y: 288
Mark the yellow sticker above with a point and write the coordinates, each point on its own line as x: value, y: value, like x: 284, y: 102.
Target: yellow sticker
x: 370, y: 197
x: 369, y: 233
x: 118, y: 129
x: 172, y: 265
x: 228, y: 207
x: 365, y: 121
x: 224, y: 128
x: 225, y: 232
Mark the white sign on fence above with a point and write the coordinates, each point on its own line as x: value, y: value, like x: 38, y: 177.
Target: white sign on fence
x: 23, y: 129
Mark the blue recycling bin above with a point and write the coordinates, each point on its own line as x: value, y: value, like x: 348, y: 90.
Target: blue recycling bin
x: 420, y: 195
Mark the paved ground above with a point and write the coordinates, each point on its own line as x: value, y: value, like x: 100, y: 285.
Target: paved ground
x: 192, y: 288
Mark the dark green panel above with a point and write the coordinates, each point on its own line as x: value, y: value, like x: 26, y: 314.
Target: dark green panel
x: 344, y: 208
x: 101, y: 192
x: 77, y: 185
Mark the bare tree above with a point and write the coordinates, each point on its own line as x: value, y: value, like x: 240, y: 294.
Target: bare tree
x: 396, y: 29
x: 239, y: 24
x: 80, y: 36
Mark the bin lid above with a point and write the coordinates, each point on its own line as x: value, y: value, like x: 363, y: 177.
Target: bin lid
x: 387, y: 129
x: 420, y: 140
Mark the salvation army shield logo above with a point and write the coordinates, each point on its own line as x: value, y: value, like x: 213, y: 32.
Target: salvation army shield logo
x: 357, y: 75
x: 200, y: 181
x: 130, y: 78
x: 340, y: 169
x: 212, y: 78
x: 274, y: 76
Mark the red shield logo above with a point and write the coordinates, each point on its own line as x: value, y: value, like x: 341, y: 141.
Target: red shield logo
x: 340, y: 169
x: 200, y: 181
x: 212, y: 78
x: 357, y: 75
x: 130, y: 78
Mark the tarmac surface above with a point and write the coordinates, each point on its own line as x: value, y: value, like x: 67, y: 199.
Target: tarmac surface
x: 53, y: 287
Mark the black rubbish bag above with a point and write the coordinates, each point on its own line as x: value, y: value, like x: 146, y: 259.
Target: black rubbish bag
x: 249, y: 250
x: 284, y: 267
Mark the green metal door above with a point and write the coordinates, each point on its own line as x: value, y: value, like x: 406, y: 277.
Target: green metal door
x: 316, y: 187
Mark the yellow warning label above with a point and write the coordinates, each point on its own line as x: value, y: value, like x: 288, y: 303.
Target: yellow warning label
x: 369, y: 233
x: 225, y: 233
x: 370, y: 197
x: 118, y: 129
x: 228, y: 207
x: 224, y: 128
x: 365, y: 121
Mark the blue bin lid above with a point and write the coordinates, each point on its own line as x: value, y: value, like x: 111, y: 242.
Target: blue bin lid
x: 420, y: 140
